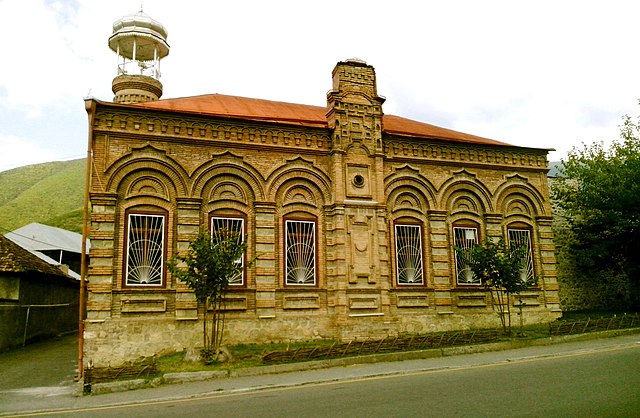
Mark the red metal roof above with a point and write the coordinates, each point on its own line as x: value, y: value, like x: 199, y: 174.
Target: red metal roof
x: 402, y: 126
x: 298, y: 114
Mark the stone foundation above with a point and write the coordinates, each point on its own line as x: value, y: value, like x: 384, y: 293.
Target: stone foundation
x: 115, y: 341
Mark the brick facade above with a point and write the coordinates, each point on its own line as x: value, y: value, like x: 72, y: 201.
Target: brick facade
x: 354, y: 175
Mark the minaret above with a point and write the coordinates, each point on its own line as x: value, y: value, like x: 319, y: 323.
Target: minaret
x: 140, y: 43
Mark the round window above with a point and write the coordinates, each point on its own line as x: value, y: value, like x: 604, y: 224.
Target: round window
x: 358, y: 180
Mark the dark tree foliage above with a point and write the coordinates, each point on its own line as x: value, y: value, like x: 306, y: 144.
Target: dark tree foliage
x: 598, y: 197
x: 206, y: 269
x: 500, y: 269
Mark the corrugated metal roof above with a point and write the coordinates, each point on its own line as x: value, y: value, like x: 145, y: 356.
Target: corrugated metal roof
x: 298, y: 114
x: 39, y: 237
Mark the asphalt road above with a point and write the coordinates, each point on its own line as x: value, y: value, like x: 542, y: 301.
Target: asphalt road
x: 598, y: 378
x: 600, y: 384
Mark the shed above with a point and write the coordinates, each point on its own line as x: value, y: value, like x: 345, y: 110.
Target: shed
x: 37, y: 299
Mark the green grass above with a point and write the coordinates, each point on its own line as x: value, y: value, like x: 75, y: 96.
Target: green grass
x: 250, y: 355
x: 244, y: 356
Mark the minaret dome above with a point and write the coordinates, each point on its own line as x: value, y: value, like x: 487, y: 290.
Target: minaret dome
x: 139, y: 42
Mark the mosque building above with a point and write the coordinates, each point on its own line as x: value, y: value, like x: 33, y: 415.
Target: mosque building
x: 352, y: 216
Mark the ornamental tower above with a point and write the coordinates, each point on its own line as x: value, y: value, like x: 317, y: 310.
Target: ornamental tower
x: 354, y: 114
x: 139, y: 43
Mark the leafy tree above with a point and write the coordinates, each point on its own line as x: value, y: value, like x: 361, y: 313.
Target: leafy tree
x: 598, y: 197
x: 206, y: 269
x: 500, y: 269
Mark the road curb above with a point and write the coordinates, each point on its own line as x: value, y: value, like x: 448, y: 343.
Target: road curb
x: 188, y: 377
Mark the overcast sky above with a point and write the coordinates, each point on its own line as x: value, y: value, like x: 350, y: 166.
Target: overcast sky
x: 543, y: 74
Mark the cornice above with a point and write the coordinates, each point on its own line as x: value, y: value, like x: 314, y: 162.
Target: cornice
x: 153, y: 125
x: 129, y: 122
x: 482, y: 155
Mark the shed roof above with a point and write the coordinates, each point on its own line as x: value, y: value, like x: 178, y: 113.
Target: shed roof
x: 304, y: 115
x: 39, y: 237
x: 15, y: 259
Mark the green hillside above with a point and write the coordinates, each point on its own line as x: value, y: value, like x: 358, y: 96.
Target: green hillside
x: 49, y: 193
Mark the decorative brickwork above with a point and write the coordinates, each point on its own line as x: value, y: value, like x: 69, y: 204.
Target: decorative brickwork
x: 345, y: 175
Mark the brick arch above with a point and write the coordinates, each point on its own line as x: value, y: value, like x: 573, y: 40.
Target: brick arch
x: 228, y: 168
x: 299, y: 192
x: 518, y: 204
x: 509, y: 193
x: 407, y: 198
x: 302, y: 172
x: 225, y: 183
x: 227, y: 188
x: 409, y: 182
x: 464, y: 189
x: 147, y: 160
x: 146, y: 184
x: 465, y: 200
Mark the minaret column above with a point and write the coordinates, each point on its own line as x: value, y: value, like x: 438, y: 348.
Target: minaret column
x: 140, y: 43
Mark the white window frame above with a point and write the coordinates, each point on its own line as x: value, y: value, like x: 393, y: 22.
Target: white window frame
x: 300, y: 253
x: 465, y: 237
x: 409, y: 271
x: 522, y: 236
x: 145, y: 248
x: 235, y: 225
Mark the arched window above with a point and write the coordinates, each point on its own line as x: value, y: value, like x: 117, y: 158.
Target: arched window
x: 300, y: 252
x: 521, y: 236
x: 409, y: 264
x: 465, y: 236
x: 146, y: 236
x: 223, y: 227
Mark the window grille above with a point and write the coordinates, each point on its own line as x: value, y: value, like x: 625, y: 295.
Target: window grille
x: 145, y: 250
x: 409, y: 255
x: 222, y: 228
x: 522, y: 237
x: 300, y: 244
x: 465, y: 238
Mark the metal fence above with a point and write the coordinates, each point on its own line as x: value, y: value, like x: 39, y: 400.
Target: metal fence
x: 388, y: 344
x: 592, y: 325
